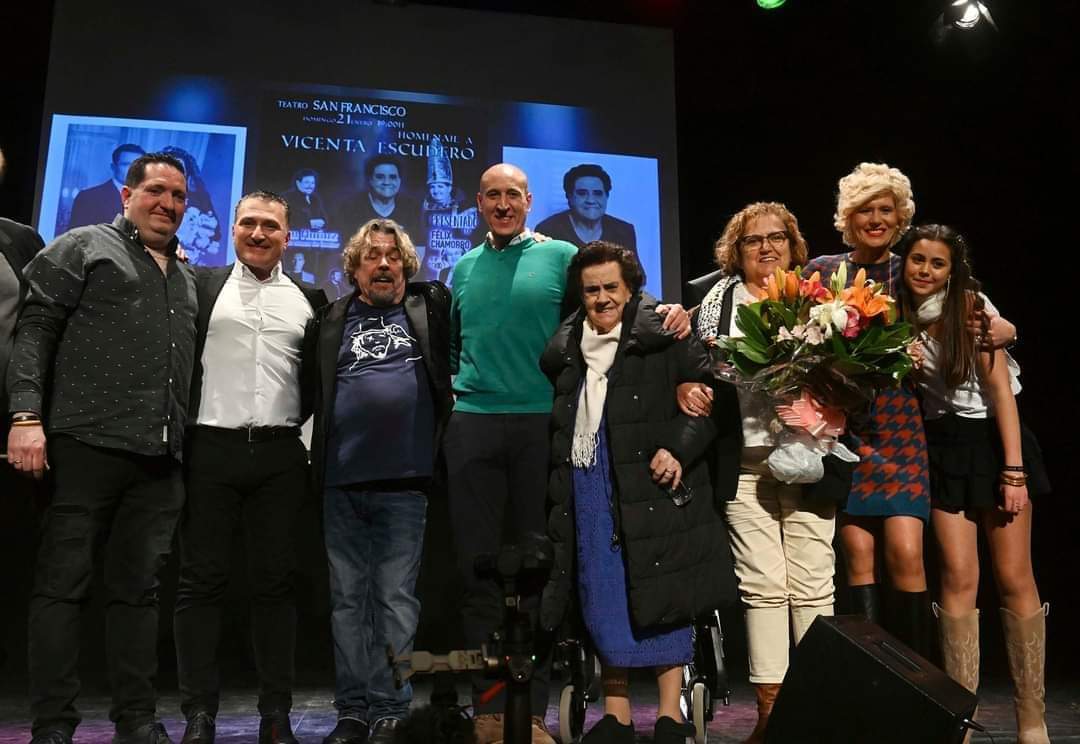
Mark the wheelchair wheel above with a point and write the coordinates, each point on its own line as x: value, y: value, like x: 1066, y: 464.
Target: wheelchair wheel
x: 572, y: 706
x: 700, y: 711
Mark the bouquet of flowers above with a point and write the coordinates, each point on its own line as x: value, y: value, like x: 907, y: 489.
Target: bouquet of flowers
x: 818, y: 352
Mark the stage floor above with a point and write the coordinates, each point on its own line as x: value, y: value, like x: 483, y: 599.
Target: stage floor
x: 313, y: 716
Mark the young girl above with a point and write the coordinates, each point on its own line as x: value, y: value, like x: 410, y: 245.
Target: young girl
x: 984, y: 469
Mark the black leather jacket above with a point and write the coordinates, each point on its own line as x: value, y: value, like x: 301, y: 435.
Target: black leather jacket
x: 427, y: 306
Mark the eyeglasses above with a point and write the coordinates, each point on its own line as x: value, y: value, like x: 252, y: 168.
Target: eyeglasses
x: 754, y: 242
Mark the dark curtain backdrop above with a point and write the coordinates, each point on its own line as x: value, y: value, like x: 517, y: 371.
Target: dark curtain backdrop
x: 771, y: 105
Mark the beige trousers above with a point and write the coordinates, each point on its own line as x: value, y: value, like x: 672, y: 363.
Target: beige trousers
x: 785, y: 562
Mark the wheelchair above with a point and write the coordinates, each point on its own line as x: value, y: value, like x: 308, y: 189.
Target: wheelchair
x: 705, y: 680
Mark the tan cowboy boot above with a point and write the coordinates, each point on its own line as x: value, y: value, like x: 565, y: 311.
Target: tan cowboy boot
x: 766, y: 696
x: 960, y: 649
x: 1025, y: 641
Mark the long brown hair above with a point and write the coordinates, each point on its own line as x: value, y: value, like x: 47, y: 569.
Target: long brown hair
x: 958, y: 348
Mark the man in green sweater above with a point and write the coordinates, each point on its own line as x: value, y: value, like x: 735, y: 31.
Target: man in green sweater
x: 508, y: 299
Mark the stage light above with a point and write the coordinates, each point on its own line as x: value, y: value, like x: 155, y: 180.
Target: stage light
x: 770, y: 4
x: 966, y: 14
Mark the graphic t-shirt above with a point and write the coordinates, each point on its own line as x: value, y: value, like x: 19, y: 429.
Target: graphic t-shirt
x: 383, y: 424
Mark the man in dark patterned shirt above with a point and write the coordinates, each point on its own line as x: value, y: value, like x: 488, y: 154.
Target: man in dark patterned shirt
x: 100, y: 370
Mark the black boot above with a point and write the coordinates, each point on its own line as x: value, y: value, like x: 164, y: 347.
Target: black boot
x: 911, y: 621
x: 275, y: 728
x: 865, y: 602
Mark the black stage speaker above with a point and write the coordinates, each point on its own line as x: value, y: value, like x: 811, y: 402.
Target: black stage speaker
x: 850, y: 682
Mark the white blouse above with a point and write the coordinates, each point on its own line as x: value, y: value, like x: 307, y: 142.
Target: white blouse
x: 757, y: 412
x: 967, y: 399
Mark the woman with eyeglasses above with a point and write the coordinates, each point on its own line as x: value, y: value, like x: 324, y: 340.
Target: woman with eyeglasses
x: 781, y: 535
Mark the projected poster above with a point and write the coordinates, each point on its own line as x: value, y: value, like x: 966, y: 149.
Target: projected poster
x: 395, y: 111
x: 342, y: 159
x: 342, y: 156
x: 583, y: 196
x: 88, y: 158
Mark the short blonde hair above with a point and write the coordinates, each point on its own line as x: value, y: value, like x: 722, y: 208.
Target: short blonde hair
x: 869, y: 181
x: 727, y: 250
x: 361, y: 241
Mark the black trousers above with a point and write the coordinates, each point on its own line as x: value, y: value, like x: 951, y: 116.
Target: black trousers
x: 261, y: 486
x: 128, y: 506
x: 497, y: 477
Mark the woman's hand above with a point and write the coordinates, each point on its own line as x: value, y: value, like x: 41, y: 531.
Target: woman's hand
x: 1013, y: 499
x: 675, y: 319
x: 990, y: 331
x: 694, y: 398
x: 917, y: 353
x: 666, y: 470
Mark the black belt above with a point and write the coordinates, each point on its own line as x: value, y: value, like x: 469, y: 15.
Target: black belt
x: 254, y: 434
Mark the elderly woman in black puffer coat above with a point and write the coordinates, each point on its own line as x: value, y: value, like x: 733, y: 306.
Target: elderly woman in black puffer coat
x: 639, y: 542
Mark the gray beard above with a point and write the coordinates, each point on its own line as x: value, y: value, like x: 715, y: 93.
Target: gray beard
x: 379, y: 298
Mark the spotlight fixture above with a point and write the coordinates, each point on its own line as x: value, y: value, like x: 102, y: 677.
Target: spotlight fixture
x: 966, y: 14
x: 770, y: 4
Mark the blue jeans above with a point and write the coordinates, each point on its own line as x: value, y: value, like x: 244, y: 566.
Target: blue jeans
x: 373, y: 544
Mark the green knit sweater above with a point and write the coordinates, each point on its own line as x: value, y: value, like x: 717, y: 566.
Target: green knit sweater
x: 506, y: 306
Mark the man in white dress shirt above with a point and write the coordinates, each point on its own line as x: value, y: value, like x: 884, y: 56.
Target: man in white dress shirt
x: 245, y: 463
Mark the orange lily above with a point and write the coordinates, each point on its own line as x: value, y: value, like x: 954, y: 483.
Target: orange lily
x: 791, y: 285
x: 868, y: 300
x: 772, y: 286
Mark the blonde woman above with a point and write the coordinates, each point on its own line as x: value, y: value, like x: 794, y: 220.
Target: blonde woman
x: 889, y: 502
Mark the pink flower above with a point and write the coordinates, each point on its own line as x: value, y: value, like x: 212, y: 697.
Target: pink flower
x: 813, y: 289
x: 854, y: 323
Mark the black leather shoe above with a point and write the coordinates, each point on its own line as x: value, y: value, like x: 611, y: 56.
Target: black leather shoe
x: 148, y: 733
x: 276, y: 729
x: 608, y: 730
x: 670, y: 731
x: 348, y: 731
x: 383, y: 731
x: 51, y: 737
x: 200, y: 729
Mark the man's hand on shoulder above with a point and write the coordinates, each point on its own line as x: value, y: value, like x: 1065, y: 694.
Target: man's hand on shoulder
x: 676, y: 319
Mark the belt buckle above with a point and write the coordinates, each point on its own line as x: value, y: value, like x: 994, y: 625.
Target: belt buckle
x: 251, y: 435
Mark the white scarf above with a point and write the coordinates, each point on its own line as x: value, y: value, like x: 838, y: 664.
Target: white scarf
x: 598, y: 351
x: 931, y: 308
